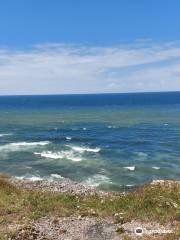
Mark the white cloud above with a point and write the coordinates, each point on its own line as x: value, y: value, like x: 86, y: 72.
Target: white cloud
x: 58, y: 68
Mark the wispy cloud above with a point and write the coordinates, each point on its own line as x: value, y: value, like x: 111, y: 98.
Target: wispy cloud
x: 59, y: 68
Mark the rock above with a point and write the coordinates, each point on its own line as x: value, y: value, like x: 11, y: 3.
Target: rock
x: 62, y: 231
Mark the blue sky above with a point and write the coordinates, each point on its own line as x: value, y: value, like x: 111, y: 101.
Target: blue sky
x: 68, y: 46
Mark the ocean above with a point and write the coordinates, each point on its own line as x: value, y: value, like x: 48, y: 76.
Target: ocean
x: 110, y: 141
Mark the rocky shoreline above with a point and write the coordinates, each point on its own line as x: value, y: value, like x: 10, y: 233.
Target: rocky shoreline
x: 64, y: 185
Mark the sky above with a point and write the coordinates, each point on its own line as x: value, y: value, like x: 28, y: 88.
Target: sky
x: 92, y: 46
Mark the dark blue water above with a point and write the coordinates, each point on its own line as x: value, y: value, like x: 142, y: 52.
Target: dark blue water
x: 89, y: 100
x: 112, y: 141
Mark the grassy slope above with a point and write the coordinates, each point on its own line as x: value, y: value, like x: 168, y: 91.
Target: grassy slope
x: 160, y: 203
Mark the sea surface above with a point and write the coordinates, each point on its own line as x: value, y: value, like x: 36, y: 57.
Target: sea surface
x: 111, y: 141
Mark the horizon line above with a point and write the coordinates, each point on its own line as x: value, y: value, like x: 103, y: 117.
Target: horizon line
x: 70, y: 94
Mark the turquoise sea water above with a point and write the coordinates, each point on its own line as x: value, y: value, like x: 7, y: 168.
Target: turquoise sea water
x: 112, y: 141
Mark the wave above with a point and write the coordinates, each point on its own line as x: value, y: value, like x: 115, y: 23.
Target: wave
x: 41, y: 143
x: 28, y: 167
x: 68, y: 138
x: 11, y: 147
x: 49, y: 154
x: 78, y: 129
x: 156, y: 168
x: 59, y: 155
x: 111, y: 126
x: 5, y: 134
x: 130, y: 168
x: 97, y: 179
x: 84, y: 149
x: 54, y: 175
x: 31, y: 178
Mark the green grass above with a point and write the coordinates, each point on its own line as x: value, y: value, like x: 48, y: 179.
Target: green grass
x: 149, y: 203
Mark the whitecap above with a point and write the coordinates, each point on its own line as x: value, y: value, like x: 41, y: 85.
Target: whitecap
x: 5, y: 134
x: 41, y: 143
x: 84, y: 149
x: 156, y: 168
x: 130, y: 168
x: 130, y: 185
x: 12, y: 147
x: 68, y: 138
x: 84, y: 129
x: 50, y: 154
x: 59, y: 155
x: 111, y: 126
x: 96, y: 180
x: 28, y: 167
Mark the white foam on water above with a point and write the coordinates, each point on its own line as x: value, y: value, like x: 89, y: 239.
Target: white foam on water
x: 97, y: 180
x: 56, y: 176
x: 156, y: 168
x: 41, y: 143
x: 111, y: 126
x: 53, y: 177
x: 28, y: 167
x: 68, y: 138
x: 5, y: 134
x: 141, y: 154
x: 50, y: 154
x: 12, y: 147
x: 31, y: 178
x: 84, y: 129
x: 130, y: 168
x: 130, y: 185
x: 75, y: 159
x: 59, y: 155
x: 34, y: 178
x: 84, y: 149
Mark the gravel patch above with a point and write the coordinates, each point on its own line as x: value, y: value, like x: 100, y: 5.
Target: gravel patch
x: 71, y: 228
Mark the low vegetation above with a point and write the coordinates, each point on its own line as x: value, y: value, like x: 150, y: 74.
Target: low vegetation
x: 149, y: 203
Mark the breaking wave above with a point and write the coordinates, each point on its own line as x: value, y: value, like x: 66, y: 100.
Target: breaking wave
x: 30, y: 177
x: 130, y: 168
x: 156, y: 168
x: 96, y: 180
x: 56, y: 176
x: 84, y: 149
x: 59, y: 155
x: 68, y: 138
x: 12, y: 147
x: 5, y: 134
